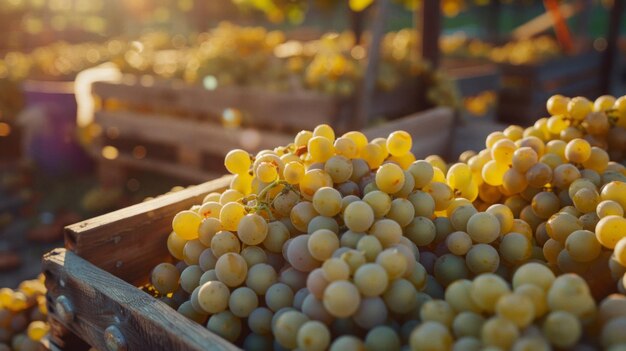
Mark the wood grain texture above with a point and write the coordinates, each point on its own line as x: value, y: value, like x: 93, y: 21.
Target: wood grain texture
x: 129, y: 242
x: 100, y: 300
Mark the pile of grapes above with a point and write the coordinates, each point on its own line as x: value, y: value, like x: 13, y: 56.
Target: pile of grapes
x: 23, y: 314
x: 337, y: 242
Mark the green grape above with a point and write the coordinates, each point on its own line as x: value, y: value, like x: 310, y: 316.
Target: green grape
x: 371, y: 279
x: 504, y: 216
x: 260, y: 321
x: 210, y: 209
x: 299, y: 297
x: 583, y: 246
x: 335, y: 269
x: 226, y: 325
x: 441, y: 194
x: 256, y: 342
x: 175, y: 245
x: 295, y: 279
x: 567, y: 264
x: 358, y: 216
x: 449, y: 268
x: 483, y: 227
x: 277, y: 235
x: 390, y: 178
x: 387, y: 231
x: 237, y: 161
x: 230, y: 215
x: 598, y: 161
x: 615, y: 191
x: 458, y: 296
x: 186, y: 223
x: 213, y: 297
x: 341, y: 298
x: 321, y: 222
x: 561, y: 225
x: 224, y: 242
x: 423, y: 203
x: 557, y: 105
x: 230, y: 195
x: 515, y: 248
x: 408, y: 187
x: 545, y: 204
x: 401, y: 211
x: 302, y: 214
x: 299, y: 255
x: 421, y: 231
x: 535, y: 274
x: 207, y: 277
x: 461, y: 215
x: 278, y: 295
x: 284, y: 202
x: 467, y: 343
x: 347, y: 342
x: 393, y: 261
x: 564, y: 175
x: 164, y: 278
x: 399, y: 143
x: 499, y: 332
x: 242, y: 302
x: 209, y: 227
x: 551, y: 160
x: 537, y: 297
x: 260, y: 277
x: 293, y: 172
x: 313, y: 336
x: 379, y: 201
x: 579, y: 107
x: 346, y: 148
x: 502, y: 151
x: 322, y: 243
x: 570, y: 293
x: 539, y: 175
x: 459, y: 243
x: 431, y: 336
x: 190, y: 278
x: 486, y: 289
x: 340, y: 168
x: 610, y: 230
x: 467, y: 324
x: 252, y: 229
x: 422, y: 172
x: 613, y: 332
x: 517, y: 308
x: 607, y: 208
x: 437, y: 311
x: 482, y: 258
x: 562, y: 329
x: 514, y: 182
x: 231, y: 269
x: 312, y: 181
x: 401, y: 296
x: 382, y: 338
x: 354, y: 259
x: 370, y: 246
x: 372, y: 312
x: 327, y: 201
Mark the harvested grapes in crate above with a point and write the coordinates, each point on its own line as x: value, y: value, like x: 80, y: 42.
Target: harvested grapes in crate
x: 344, y: 243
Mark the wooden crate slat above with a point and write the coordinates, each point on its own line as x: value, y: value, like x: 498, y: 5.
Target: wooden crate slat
x: 101, y: 300
x: 179, y: 171
x: 130, y: 242
x: 202, y: 136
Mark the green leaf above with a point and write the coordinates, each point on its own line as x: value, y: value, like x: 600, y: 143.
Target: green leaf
x: 360, y: 5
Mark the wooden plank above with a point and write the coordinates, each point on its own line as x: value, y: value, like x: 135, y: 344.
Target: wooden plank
x: 129, y: 242
x: 430, y: 31
x: 100, y: 300
x: 609, y: 59
x: 202, y: 136
x: 541, y: 23
x: 293, y: 110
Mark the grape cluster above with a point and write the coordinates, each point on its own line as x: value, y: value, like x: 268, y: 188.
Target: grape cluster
x: 23, y: 314
x: 344, y: 243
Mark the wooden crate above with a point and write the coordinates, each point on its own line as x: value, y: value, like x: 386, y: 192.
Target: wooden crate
x: 176, y: 129
x: 92, y: 283
x: 526, y: 88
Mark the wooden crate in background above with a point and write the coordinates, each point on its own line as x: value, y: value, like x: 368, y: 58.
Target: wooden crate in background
x: 177, y: 129
x: 526, y: 88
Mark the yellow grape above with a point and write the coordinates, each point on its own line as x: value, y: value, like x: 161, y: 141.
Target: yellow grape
x: 390, y: 178
x: 326, y: 131
x: 610, y: 230
x: 237, y: 161
x: 557, y: 105
x: 399, y: 143
x: 186, y: 224
x: 320, y: 149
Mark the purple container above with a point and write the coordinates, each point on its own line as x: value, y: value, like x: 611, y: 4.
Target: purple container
x: 50, y: 128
